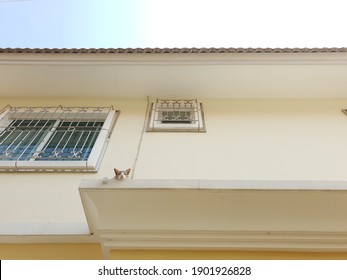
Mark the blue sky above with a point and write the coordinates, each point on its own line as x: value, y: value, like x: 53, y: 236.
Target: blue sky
x: 178, y: 23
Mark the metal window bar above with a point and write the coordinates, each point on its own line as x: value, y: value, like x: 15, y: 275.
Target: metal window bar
x: 41, y: 114
x: 176, y: 111
x: 38, y: 150
x: 40, y: 147
x: 9, y: 151
x: 50, y: 133
x: 21, y: 138
x: 76, y: 152
x: 72, y: 143
x: 56, y: 153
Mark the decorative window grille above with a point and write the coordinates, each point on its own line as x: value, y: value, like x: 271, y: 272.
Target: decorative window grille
x: 176, y: 115
x: 54, y: 138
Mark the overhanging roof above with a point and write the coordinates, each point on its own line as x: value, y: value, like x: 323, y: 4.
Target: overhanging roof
x: 173, y: 50
x: 164, y: 72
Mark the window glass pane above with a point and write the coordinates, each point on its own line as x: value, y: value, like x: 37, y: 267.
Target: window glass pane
x: 21, y: 138
x: 48, y: 140
x: 71, y: 141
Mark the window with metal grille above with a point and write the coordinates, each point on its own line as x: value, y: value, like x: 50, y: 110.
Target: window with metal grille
x: 54, y: 138
x: 176, y: 116
x: 183, y: 115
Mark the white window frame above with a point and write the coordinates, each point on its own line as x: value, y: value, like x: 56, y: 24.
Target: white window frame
x: 90, y: 165
x: 155, y: 124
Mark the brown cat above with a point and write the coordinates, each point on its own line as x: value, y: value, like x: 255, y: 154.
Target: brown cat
x: 121, y: 175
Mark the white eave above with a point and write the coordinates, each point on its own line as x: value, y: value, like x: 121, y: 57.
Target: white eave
x: 234, y: 215
x: 203, y: 73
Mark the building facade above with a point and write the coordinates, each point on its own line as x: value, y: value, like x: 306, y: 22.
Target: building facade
x: 234, y: 153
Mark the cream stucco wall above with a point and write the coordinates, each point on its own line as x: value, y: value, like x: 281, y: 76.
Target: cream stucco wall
x: 245, y: 140
x: 254, y: 140
x: 54, y: 197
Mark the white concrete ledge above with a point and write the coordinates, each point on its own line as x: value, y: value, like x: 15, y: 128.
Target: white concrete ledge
x: 198, y: 214
x: 215, y: 184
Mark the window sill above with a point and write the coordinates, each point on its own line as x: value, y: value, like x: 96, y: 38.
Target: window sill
x: 48, y: 166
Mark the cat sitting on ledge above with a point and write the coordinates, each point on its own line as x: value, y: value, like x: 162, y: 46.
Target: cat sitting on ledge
x: 121, y: 175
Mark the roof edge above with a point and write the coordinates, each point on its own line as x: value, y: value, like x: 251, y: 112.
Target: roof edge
x: 167, y: 50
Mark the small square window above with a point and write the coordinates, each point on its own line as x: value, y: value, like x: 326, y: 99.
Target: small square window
x: 54, y: 138
x: 176, y: 115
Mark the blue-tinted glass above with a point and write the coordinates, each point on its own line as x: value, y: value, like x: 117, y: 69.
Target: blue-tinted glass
x: 21, y: 138
x: 44, y: 140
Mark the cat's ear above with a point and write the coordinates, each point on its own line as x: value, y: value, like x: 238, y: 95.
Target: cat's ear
x: 116, y: 171
x: 127, y: 171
